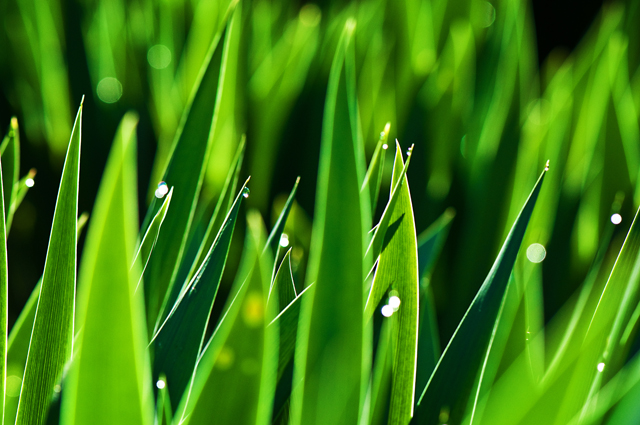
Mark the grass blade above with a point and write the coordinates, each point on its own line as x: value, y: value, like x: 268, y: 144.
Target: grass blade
x: 185, y: 172
x: 4, y: 285
x: 373, y: 178
x: 398, y: 270
x: 331, y: 338
x: 52, y: 336
x: 452, y: 381
x: 10, y: 151
x: 235, y: 377
x: 179, y: 340
x: 283, y: 285
x: 111, y: 349
x: 273, y: 241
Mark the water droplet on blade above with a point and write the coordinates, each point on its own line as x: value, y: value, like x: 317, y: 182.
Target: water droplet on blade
x: 245, y: 192
x: 600, y: 367
x: 30, y: 182
x: 394, y: 302
x: 160, y: 384
x: 387, y: 311
x: 536, y: 253
x: 616, y: 219
x: 284, y: 240
x: 162, y: 190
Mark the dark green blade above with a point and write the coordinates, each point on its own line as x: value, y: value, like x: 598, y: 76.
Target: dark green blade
x: 235, y: 378
x: 452, y: 382
x: 52, y: 336
x: 179, y: 340
x: 185, y: 172
x: 112, y: 347
x: 274, y: 237
x: 283, y: 285
x: 4, y: 285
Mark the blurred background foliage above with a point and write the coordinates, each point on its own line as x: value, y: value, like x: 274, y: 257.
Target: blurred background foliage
x: 487, y: 92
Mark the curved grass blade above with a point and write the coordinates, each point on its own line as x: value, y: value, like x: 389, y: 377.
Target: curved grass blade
x: 379, y: 237
x: 151, y: 237
x: 274, y: 237
x: 185, y: 172
x: 4, y: 285
x: 18, y: 342
x: 398, y: 270
x: 52, y: 336
x: 452, y: 382
x: 22, y: 187
x: 373, y: 178
x: 235, y: 376
x: 225, y: 201
x: 330, y: 352
x: 179, y: 340
x: 283, y: 285
x: 111, y: 349
x: 10, y: 152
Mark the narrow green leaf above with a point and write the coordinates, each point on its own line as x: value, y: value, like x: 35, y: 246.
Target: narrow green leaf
x: 179, y: 340
x: 235, y: 376
x: 111, y: 349
x: 18, y: 343
x: 4, y: 285
x: 52, y: 336
x: 379, y: 237
x: 185, y: 172
x: 398, y: 270
x: 330, y: 351
x: 22, y: 187
x: 225, y: 201
x: 452, y: 382
x: 373, y: 178
x: 164, y: 413
x: 10, y: 151
x: 430, y: 242
x: 381, y: 378
x: 151, y: 237
x: 274, y: 237
x: 283, y: 285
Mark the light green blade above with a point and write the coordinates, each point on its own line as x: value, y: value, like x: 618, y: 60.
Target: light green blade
x: 18, y: 344
x: 235, y: 377
x: 164, y: 413
x: 330, y: 351
x: 22, y: 187
x: 52, y: 336
x: 151, y: 237
x: 398, y: 270
x: 283, y: 285
x: 4, y: 285
x: 10, y: 151
x: 185, y: 172
x: 452, y: 382
x: 111, y: 349
x: 373, y: 178
x: 274, y: 237
x: 180, y: 339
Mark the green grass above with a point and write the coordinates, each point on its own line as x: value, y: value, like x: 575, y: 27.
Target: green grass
x: 306, y: 296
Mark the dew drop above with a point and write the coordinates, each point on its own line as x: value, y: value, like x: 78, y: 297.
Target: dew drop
x: 600, y: 367
x: 382, y: 135
x: 160, y: 384
x: 536, y: 253
x: 284, y: 240
x: 385, y: 146
x: 616, y: 219
x: 394, y: 302
x: 245, y: 192
x: 57, y: 388
x: 387, y: 311
x: 162, y: 190
x: 30, y: 182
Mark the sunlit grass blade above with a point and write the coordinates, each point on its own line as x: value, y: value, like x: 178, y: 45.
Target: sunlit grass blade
x: 184, y: 172
x: 111, y: 349
x: 180, y: 339
x: 398, y: 270
x: 22, y: 187
x: 274, y: 237
x: 330, y: 350
x: 52, y: 336
x: 373, y: 178
x: 151, y: 237
x: 235, y: 376
x: 462, y: 363
x: 10, y: 152
x: 375, y: 246
x: 164, y: 413
x: 283, y: 285
x: 4, y: 284
x: 382, y: 375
